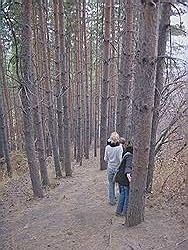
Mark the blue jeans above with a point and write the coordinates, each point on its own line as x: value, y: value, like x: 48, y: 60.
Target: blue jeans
x: 123, y: 201
x: 111, y: 185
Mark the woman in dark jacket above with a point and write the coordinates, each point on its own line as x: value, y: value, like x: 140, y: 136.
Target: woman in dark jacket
x: 123, y: 178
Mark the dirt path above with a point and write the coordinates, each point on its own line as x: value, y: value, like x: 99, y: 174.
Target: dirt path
x: 76, y: 215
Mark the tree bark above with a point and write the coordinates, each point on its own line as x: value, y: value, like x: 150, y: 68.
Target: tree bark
x: 26, y: 96
x: 125, y: 73
x: 87, y: 121
x: 78, y: 86
x: 104, y: 85
x: 91, y: 93
x: 143, y: 97
x: 37, y: 114
x: 1, y: 136
x: 64, y: 84
x: 46, y: 74
x: 96, y: 98
x: 4, y: 146
x: 162, y: 41
x: 1, y: 115
x: 3, y: 139
x: 59, y: 88
x: 186, y: 140
x: 112, y: 74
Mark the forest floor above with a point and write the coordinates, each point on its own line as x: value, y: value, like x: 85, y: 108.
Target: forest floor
x: 75, y: 215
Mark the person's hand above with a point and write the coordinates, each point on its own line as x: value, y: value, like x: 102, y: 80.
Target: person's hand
x: 129, y: 177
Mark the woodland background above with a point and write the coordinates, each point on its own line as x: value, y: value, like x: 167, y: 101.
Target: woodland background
x: 72, y: 72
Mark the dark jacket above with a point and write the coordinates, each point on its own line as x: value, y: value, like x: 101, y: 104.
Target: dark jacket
x: 124, y: 168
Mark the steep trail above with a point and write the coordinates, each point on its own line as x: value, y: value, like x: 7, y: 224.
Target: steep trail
x: 76, y: 215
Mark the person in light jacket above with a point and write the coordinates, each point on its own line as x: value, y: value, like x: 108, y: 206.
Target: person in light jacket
x: 113, y: 156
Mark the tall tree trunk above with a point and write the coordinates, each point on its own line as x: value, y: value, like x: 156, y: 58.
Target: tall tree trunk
x: 96, y: 98
x: 46, y: 74
x: 186, y: 139
x: 1, y: 115
x: 10, y: 119
x: 40, y: 138
x: 112, y: 74
x: 64, y: 84
x: 143, y: 97
x: 87, y: 122
x: 125, y: 74
x: 91, y: 101
x: 78, y: 86
x: 37, y: 114
x: 4, y: 150
x: 162, y: 41
x: 4, y: 141
x: 119, y: 42
x: 1, y: 135
x: 104, y: 85
x: 59, y: 87
x: 18, y: 122
x: 26, y: 96
x: 5, y: 98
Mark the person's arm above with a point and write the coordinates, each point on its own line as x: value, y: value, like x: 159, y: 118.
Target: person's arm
x: 129, y: 162
x: 129, y: 166
x: 120, y: 153
x: 105, y: 154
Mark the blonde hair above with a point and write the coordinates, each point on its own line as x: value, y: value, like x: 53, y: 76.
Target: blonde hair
x: 114, y: 137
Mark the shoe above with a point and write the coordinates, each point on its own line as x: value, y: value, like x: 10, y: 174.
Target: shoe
x: 125, y: 221
x: 118, y: 214
x: 112, y: 203
x: 124, y: 214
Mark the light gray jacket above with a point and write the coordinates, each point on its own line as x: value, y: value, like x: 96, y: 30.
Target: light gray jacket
x: 113, y: 155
